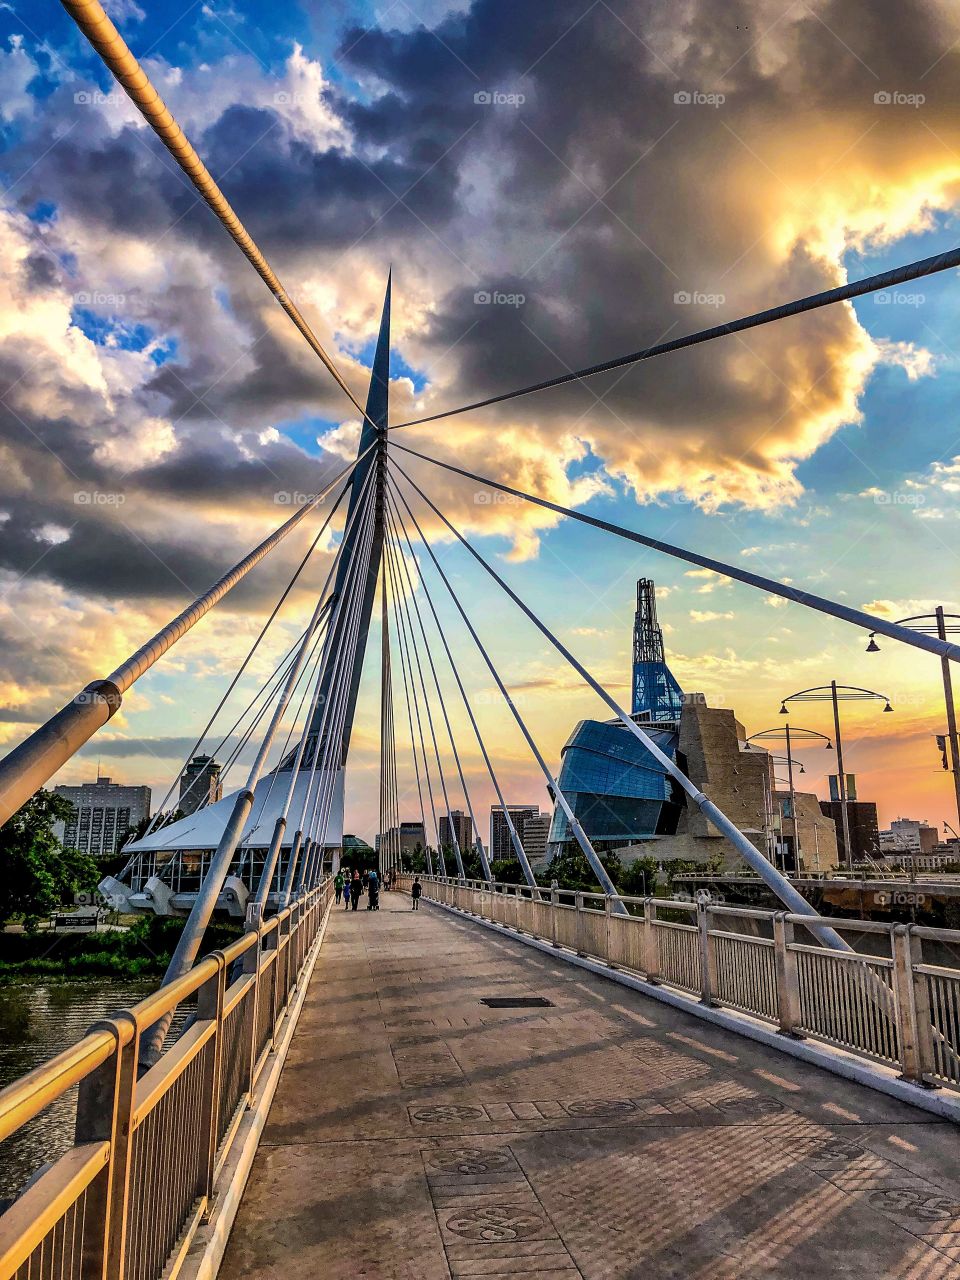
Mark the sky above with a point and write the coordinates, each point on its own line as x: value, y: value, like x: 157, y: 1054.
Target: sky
x: 553, y: 185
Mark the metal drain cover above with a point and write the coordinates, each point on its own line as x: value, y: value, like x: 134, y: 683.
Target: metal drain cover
x: 517, y: 1002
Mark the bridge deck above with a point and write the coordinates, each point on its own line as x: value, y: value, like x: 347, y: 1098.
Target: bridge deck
x: 417, y: 1133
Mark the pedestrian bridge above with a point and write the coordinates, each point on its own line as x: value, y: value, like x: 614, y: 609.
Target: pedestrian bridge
x: 350, y: 1105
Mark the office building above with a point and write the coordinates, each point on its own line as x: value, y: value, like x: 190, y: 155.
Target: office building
x: 456, y: 823
x: 199, y: 785
x: 103, y: 813
x: 533, y: 836
x: 864, y: 830
x: 908, y: 836
x: 501, y: 845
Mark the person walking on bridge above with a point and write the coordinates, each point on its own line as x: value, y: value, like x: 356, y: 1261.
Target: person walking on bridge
x: 346, y: 888
x: 356, y: 888
x: 338, y: 886
x: 415, y: 893
x: 373, y: 892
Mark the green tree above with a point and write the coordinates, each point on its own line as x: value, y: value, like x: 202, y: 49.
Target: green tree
x: 571, y: 870
x: 37, y: 873
x: 507, y: 870
x: 640, y: 878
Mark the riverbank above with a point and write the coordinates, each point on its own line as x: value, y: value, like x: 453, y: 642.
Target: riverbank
x: 141, y: 951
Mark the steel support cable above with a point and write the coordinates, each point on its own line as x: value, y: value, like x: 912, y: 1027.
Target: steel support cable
x: 408, y: 599
x: 932, y: 644
x: 515, y: 839
x: 826, y: 298
x: 396, y: 851
x: 333, y: 748
x: 90, y: 17
x: 190, y: 938
x: 751, y: 855
x: 412, y: 646
x: 273, y: 852
x: 250, y: 652
x: 404, y: 605
x: 272, y: 688
x: 411, y: 596
x: 308, y: 674
x: 528, y: 738
x: 325, y: 733
x: 335, y: 655
x: 329, y: 662
x: 413, y: 748
x: 328, y: 734
x: 251, y: 728
x: 397, y: 520
x: 29, y: 765
x: 456, y: 755
x: 408, y: 665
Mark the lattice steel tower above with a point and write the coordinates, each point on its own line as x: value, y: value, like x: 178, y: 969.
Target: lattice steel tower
x: 656, y: 693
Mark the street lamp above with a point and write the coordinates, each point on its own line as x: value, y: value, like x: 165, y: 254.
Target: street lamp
x: 836, y: 693
x: 791, y: 735
x: 937, y: 623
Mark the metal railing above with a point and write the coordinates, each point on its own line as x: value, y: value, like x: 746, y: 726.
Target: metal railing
x: 894, y: 1007
x: 125, y: 1200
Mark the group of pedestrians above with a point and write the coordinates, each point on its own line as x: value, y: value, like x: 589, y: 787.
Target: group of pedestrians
x: 349, y: 889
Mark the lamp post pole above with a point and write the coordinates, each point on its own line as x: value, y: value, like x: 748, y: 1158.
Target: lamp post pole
x: 944, y: 624
x: 833, y: 693
x: 841, y: 779
x: 951, y: 710
x: 793, y: 804
x: 791, y: 736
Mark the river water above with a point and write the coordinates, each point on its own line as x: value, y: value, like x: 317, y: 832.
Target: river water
x: 39, y: 1018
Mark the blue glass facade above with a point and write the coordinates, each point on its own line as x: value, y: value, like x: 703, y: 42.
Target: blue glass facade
x: 617, y: 790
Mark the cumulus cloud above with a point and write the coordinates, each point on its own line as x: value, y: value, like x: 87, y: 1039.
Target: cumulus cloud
x: 140, y: 359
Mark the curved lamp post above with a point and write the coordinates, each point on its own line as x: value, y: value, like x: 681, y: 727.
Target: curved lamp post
x: 837, y: 693
x: 791, y: 735
x: 939, y: 624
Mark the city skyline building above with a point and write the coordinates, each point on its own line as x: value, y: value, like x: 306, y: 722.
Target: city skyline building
x: 199, y: 785
x: 459, y: 823
x: 501, y: 844
x: 103, y: 813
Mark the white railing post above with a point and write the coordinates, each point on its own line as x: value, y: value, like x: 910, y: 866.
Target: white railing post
x: 651, y: 952
x: 708, y: 956
x: 787, y: 969
x: 912, y: 1008
x: 580, y: 924
x: 554, y: 916
x: 608, y: 934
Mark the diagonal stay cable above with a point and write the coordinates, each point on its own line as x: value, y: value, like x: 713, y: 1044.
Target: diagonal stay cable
x: 252, y: 650
x: 333, y: 746
x: 396, y: 519
x: 552, y: 787
x: 90, y: 17
x: 413, y: 746
x: 751, y: 855
x: 411, y: 598
x: 511, y: 827
x: 826, y: 298
x: 409, y: 642
x: 31, y: 764
x: 334, y: 660
x: 188, y: 944
x: 932, y: 644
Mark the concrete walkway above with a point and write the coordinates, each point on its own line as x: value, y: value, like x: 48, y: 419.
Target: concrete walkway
x: 419, y: 1134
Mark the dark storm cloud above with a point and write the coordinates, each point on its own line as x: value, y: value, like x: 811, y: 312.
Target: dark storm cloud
x: 598, y: 199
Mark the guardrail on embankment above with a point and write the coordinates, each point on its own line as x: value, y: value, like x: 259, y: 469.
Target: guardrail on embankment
x: 892, y: 1008
x: 149, y: 1153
